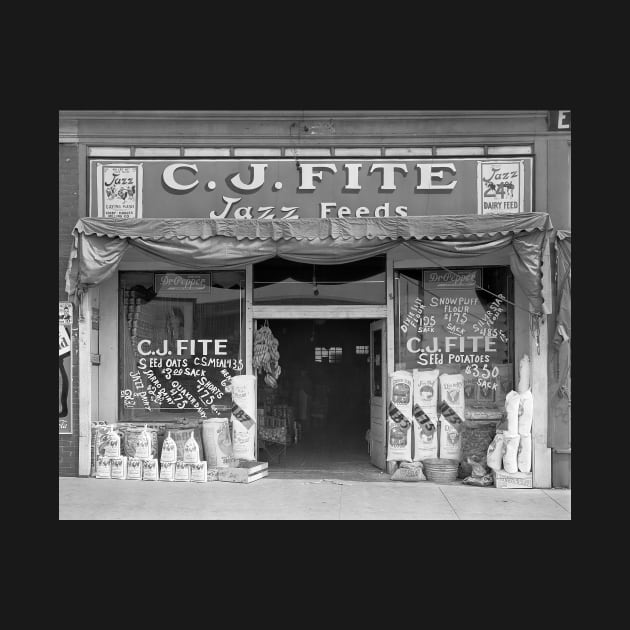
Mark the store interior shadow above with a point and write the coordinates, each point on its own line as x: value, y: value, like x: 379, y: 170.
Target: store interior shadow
x: 327, y: 452
x: 327, y: 361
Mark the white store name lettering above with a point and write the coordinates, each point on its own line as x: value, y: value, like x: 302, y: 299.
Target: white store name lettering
x: 184, y: 346
x: 430, y: 177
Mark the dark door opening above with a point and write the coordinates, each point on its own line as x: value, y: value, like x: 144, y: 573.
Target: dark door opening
x: 324, y: 387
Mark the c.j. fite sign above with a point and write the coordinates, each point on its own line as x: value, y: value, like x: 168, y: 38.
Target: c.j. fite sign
x: 292, y: 189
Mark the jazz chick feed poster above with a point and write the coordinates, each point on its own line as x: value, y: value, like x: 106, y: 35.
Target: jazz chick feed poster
x: 120, y: 190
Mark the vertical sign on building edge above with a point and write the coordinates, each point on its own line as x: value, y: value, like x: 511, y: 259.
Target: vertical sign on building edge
x: 560, y: 120
x: 65, y: 367
x: 500, y: 187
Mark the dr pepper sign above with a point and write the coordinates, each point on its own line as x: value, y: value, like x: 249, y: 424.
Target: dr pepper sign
x: 308, y: 188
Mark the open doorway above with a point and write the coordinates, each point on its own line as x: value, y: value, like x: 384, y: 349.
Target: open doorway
x: 322, y: 397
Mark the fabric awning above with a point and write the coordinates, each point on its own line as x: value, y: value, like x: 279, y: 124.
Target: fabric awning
x: 99, y: 244
x: 563, y: 284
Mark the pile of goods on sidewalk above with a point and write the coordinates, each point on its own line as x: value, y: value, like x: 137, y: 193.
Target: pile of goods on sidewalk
x: 220, y: 449
x: 431, y: 436
x: 510, y: 453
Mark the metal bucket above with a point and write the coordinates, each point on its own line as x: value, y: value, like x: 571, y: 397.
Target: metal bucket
x: 440, y: 470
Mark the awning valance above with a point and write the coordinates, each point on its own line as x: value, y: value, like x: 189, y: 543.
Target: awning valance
x: 563, y: 286
x: 99, y: 244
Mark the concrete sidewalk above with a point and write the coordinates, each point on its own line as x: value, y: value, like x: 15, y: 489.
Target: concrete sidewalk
x: 294, y: 498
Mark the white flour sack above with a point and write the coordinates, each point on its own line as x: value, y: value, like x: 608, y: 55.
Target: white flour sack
x: 524, y: 455
x: 112, y: 446
x: 526, y: 413
x: 452, y: 393
x: 244, y: 416
x: 510, y: 464
x: 199, y: 472
x: 425, y: 415
x: 217, y: 442
x: 452, y: 409
x: 167, y: 471
x: 450, y: 441
x: 512, y: 406
x: 169, y: 450
x: 134, y: 468
x: 143, y: 445
x: 399, y: 416
x: 182, y: 471
x: 191, y: 450
x: 494, y: 459
x: 150, y: 469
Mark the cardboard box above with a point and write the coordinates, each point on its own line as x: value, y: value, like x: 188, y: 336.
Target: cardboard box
x: 199, y: 472
x: 119, y: 467
x: 167, y: 471
x: 103, y: 467
x: 244, y: 472
x: 182, y: 471
x: 150, y: 469
x: 504, y: 479
x: 213, y: 474
x: 134, y: 468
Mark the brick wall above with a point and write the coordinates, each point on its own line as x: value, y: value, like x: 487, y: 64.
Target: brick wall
x: 68, y: 215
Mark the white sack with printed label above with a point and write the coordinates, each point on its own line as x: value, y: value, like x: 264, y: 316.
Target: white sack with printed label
x: 167, y: 471
x: 150, y: 469
x: 112, y: 446
x: 119, y: 467
x: 134, y: 468
x: 244, y: 420
x: 103, y: 467
x: 399, y: 416
x: 191, y: 450
x: 217, y: 442
x: 199, y: 472
x: 182, y: 471
x: 450, y: 441
x: 169, y: 450
x: 452, y: 393
x: 144, y: 443
x: 425, y: 414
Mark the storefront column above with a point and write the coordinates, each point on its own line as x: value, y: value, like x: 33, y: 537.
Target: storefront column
x: 389, y: 332
x: 541, y: 454
x: 88, y: 376
x: 249, y: 328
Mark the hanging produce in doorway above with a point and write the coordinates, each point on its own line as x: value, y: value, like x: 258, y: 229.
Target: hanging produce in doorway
x: 266, y: 355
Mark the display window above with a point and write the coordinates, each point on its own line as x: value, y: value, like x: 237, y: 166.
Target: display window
x: 459, y: 322
x: 181, y: 339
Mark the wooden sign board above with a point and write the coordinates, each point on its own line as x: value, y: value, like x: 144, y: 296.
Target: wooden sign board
x: 504, y: 479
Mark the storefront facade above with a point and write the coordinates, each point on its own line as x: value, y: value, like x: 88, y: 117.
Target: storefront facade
x: 187, y: 224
